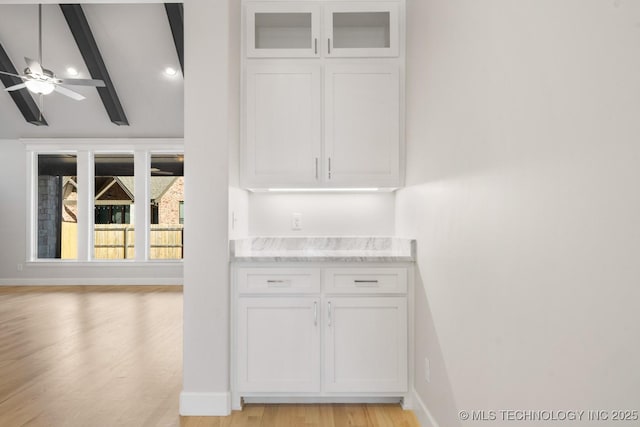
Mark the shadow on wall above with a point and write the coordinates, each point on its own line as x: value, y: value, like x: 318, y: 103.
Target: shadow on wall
x: 437, y: 395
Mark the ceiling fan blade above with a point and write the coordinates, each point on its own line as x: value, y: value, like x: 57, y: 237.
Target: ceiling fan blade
x: 15, y: 87
x: 34, y: 66
x: 68, y: 92
x: 81, y: 82
x: 11, y: 74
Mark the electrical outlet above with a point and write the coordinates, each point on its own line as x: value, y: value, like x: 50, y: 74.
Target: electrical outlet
x: 19, y: 267
x: 296, y: 221
x: 427, y: 370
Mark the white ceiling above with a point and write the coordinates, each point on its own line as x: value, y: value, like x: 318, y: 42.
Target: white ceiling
x: 136, y: 45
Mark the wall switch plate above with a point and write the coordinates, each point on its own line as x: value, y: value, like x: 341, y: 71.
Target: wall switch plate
x: 427, y: 370
x: 296, y: 221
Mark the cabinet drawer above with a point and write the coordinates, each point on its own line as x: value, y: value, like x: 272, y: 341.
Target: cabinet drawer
x: 278, y: 280
x: 365, y: 280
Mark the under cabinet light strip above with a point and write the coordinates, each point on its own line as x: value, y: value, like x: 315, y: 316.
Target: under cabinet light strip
x: 324, y: 190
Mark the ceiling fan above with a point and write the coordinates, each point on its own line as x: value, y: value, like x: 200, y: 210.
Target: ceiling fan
x: 41, y: 81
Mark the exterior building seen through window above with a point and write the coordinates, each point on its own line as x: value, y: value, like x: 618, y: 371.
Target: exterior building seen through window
x: 57, y: 194
x: 102, y: 220
x: 167, y: 206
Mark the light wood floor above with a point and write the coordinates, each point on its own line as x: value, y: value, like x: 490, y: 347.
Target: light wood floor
x: 112, y: 356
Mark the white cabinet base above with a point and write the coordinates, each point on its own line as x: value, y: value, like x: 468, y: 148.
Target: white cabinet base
x: 337, y: 333
x: 278, y: 345
x: 365, y: 344
x: 240, y: 399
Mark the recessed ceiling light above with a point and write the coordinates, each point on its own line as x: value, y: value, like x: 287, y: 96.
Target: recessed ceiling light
x: 72, y: 71
x: 170, y: 71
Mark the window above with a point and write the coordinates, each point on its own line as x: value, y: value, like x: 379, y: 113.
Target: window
x: 166, y: 195
x: 114, y: 195
x: 57, y: 194
x: 84, y: 200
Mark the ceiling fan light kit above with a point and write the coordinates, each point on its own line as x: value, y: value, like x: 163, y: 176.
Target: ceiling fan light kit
x: 41, y: 81
x: 39, y: 87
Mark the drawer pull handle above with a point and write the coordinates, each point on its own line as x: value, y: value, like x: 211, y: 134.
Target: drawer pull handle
x: 366, y: 282
x: 279, y: 283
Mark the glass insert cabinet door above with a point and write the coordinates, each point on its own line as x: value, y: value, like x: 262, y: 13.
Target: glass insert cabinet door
x: 354, y: 29
x: 282, y: 30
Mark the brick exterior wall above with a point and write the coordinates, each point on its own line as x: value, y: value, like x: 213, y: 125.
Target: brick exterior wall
x: 169, y: 203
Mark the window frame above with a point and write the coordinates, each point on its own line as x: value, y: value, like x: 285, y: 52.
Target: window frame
x: 85, y: 150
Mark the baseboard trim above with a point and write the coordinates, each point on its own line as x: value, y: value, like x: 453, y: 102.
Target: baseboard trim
x: 424, y: 416
x: 318, y: 399
x: 91, y: 281
x: 205, y: 404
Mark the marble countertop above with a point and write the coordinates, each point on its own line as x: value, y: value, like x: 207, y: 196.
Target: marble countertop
x: 327, y: 249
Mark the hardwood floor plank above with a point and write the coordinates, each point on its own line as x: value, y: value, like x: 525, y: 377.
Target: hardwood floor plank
x: 350, y: 415
x: 98, y: 356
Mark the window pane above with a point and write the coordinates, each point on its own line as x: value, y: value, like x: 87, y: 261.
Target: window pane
x: 283, y: 30
x: 361, y: 30
x: 57, y: 206
x: 114, y: 201
x: 167, y: 199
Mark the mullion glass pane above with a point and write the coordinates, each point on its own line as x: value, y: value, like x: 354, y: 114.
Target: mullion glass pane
x: 57, y: 206
x: 352, y: 30
x: 289, y: 30
x: 114, y: 200
x: 166, y: 206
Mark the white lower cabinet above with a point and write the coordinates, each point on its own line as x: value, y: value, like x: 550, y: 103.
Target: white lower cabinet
x: 330, y: 332
x: 366, y: 344
x: 278, y: 344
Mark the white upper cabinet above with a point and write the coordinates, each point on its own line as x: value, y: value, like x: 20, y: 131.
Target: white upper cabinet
x: 283, y: 127
x: 361, y: 29
x: 322, y: 94
x: 284, y: 30
x: 362, y: 125
x: 350, y: 29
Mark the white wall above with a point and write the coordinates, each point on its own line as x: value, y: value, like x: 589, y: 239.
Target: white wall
x: 208, y: 26
x: 206, y: 270
x: 14, y: 268
x: 523, y: 154
x: 323, y: 214
x: 238, y: 198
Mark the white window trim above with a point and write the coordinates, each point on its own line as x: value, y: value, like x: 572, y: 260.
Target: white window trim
x: 141, y: 148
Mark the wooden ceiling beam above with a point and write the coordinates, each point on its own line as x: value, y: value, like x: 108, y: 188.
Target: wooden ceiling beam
x: 175, y: 13
x: 77, y: 22
x: 21, y: 97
